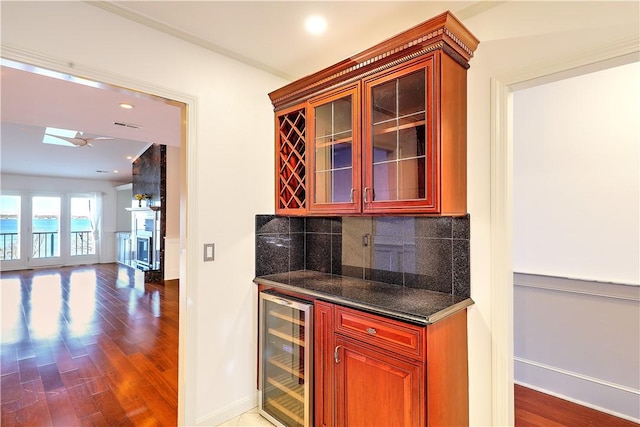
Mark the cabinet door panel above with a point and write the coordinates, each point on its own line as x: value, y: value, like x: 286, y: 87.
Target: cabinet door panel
x: 333, y: 134
x: 411, y: 141
x: 411, y: 92
x: 411, y: 178
x: 385, y: 182
x: 400, y: 165
x: 384, y: 103
x: 375, y: 389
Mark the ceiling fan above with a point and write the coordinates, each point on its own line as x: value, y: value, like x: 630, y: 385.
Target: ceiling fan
x: 78, y: 139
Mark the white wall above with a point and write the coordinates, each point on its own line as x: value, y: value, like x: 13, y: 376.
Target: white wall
x: 107, y: 190
x: 579, y: 340
x: 576, y: 215
x: 517, y: 43
x: 124, y: 195
x: 221, y: 366
x: 576, y: 179
x: 224, y: 329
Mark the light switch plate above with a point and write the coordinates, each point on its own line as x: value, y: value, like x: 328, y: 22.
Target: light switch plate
x: 208, y: 251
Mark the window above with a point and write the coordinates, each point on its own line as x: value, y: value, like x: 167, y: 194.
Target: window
x: 10, y: 227
x: 45, y: 226
x: 82, y: 226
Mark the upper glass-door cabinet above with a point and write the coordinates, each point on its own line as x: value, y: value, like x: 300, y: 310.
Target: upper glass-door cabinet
x: 334, y: 175
x: 399, y: 154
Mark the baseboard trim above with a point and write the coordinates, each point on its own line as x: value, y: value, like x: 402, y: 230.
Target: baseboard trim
x: 585, y: 380
x: 229, y: 411
x: 578, y: 375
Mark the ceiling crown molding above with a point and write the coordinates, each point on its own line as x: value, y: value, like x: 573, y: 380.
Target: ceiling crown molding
x: 126, y: 13
x: 622, y: 52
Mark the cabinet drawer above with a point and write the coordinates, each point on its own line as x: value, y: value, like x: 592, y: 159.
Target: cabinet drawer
x: 385, y: 333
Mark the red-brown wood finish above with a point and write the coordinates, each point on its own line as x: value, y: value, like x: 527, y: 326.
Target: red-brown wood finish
x: 354, y: 206
x: 323, y: 344
x: 452, y: 135
x: 445, y: 46
x: 440, y: 32
x: 430, y: 204
x: 88, y: 345
x: 390, y: 372
x: 447, y: 371
x: 290, y: 161
x: 393, y: 335
x: 376, y: 388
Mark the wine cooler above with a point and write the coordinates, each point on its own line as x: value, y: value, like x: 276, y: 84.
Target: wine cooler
x: 286, y: 363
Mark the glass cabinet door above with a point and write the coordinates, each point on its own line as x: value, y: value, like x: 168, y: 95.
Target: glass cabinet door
x: 398, y: 156
x: 335, y: 177
x: 286, y: 360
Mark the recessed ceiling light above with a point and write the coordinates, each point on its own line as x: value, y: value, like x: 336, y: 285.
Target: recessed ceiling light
x: 126, y: 106
x: 129, y: 157
x: 315, y: 24
x: 115, y: 171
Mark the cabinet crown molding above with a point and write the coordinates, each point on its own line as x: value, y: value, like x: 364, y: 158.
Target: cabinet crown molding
x: 444, y: 32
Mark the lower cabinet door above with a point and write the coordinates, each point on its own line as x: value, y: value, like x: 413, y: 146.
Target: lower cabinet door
x: 375, y: 388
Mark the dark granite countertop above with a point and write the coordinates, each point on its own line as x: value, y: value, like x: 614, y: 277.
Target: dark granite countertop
x: 417, y: 306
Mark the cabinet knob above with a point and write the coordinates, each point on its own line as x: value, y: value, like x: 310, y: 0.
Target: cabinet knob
x: 351, y: 195
x: 371, y: 331
x: 335, y: 354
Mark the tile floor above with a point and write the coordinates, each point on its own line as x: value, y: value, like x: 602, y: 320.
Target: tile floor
x: 249, y: 419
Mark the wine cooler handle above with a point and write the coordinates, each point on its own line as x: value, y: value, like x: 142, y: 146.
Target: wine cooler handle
x: 282, y: 301
x: 335, y: 353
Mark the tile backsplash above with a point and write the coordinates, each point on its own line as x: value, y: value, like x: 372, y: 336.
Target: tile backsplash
x: 421, y: 252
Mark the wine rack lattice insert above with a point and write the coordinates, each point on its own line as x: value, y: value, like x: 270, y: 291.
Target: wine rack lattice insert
x: 291, y: 160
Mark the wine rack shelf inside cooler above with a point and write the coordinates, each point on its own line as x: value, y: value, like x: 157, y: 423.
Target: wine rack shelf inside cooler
x: 289, y: 408
x: 283, y: 316
x: 294, y: 335
x: 284, y: 362
x: 290, y: 387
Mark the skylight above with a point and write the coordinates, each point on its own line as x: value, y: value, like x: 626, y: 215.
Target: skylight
x: 50, y: 135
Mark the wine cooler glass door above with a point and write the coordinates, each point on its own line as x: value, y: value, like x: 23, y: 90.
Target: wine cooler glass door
x: 285, y: 367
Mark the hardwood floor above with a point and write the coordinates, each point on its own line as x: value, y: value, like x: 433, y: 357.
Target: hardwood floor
x: 88, y: 345
x: 92, y: 345
x: 535, y: 409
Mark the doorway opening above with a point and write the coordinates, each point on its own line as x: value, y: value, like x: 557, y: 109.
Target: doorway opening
x: 502, y: 320
x: 186, y: 108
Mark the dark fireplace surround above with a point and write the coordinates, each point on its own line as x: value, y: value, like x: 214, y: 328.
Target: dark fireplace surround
x: 149, y: 175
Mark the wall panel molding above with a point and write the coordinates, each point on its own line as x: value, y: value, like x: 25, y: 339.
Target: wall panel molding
x: 621, y: 291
